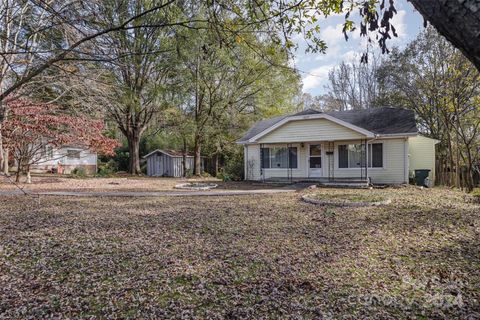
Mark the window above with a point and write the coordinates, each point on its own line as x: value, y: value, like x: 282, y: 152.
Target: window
x: 375, y: 155
x: 279, y: 157
x: 315, y: 156
x: 47, y: 152
x: 352, y: 155
x: 73, y: 154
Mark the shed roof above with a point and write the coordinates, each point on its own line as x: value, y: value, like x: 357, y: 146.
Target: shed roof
x: 169, y: 152
x: 384, y: 120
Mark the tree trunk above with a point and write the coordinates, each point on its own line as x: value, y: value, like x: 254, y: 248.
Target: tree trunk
x: 3, y: 151
x: 19, y: 171
x: 184, y: 157
x: 451, y: 162
x: 216, y: 159
x: 6, y: 155
x: 2, y: 156
x: 133, y: 139
x: 458, y: 182
x: 456, y: 20
x: 197, y: 157
x: 469, y: 176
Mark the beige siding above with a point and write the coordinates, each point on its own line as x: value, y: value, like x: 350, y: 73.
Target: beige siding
x: 395, y: 170
x: 252, y: 162
x: 310, y: 130
x: 252, y: 165
x: 422, y: 155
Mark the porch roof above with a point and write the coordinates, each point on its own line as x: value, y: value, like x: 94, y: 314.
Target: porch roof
x: 377, y: 121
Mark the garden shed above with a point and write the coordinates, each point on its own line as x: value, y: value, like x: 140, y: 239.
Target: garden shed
x: 168, y: 163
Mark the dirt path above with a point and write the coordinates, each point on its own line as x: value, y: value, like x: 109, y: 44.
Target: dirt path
x: 145, y: 193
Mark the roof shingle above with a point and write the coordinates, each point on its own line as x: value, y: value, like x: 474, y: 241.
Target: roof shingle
x: 384, y: 120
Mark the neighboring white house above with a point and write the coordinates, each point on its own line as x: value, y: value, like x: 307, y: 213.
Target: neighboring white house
x: 168, y: 163
x: 381, y: 145
x: 66, y: 159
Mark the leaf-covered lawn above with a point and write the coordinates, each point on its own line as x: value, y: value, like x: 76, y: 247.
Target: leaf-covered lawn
x: 49, y: 182
x: 240, y: 257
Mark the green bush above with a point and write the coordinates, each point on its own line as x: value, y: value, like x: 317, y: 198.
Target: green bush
x: 476, y: 193
x: 233, y: 168
x: 107, y: 169
x: 79, y: 172
x: 205, y: 174
x: 225, y: 177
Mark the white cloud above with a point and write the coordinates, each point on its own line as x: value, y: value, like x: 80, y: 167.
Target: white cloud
x: 332, y: 35
x: 398, y: 21
x: 318, y: 65
x: 316, y: 77
x: 350, y: 56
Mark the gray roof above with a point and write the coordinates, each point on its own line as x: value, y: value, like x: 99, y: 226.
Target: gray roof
x: 170, y: 153
x: 385, y: 120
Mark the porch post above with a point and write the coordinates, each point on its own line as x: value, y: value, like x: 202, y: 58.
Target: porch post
x: 261, y: 163
x: 366, y: 162
x: 245, y: 163
x: 289, y: 171
x: 362, y: 157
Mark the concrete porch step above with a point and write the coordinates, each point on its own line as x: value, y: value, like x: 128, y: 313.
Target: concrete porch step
x: 335, y: 183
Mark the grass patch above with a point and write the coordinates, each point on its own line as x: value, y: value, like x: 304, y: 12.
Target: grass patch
x: 350, y: 197
x: 476, y: 193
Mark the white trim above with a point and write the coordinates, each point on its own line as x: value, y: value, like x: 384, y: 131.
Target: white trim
x: 322, y: 156
x: 367, y: 133
x: 166, y: 153
x: 397, y: 135
x: 406, y: 164
x: 424, y: 136
x: 245, y: 163
x: 367, y: 169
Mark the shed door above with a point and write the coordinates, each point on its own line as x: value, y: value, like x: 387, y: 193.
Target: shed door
x: 160, y: 165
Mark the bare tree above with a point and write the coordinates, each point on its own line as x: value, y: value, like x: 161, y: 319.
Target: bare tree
x: 353, y: 84
x: 432, y: 78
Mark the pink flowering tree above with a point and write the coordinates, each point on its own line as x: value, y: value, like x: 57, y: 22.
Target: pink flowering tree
x: 32, y: 126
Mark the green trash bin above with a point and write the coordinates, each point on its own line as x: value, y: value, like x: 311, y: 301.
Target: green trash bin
x: 420, y: 176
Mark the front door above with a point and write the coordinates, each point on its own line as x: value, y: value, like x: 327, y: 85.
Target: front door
x: 315, y: 160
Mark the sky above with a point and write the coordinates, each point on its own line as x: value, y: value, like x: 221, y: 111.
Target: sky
x: 314, y: 67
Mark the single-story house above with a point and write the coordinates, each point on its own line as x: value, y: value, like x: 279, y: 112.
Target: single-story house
x: 379, y: 145
x: 168, y: 163
x: 65, y: 159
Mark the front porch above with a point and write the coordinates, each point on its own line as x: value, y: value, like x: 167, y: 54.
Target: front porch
x: 326, y: 162
x: 327, y: 182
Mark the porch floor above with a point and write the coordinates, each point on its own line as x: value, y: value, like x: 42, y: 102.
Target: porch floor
x: 325, y: 181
